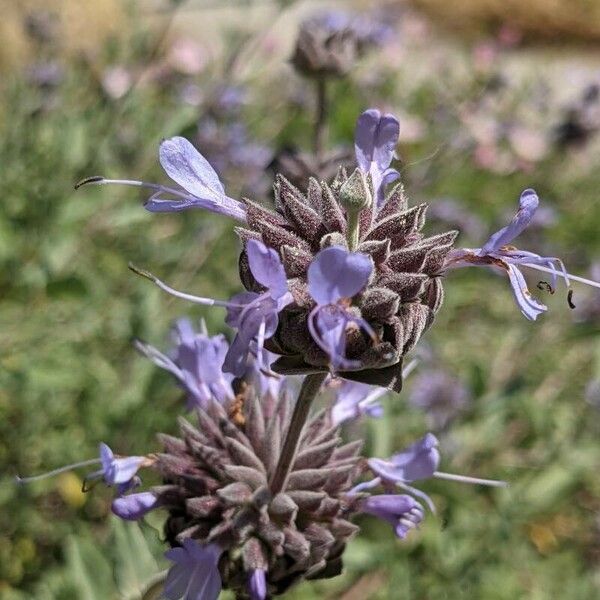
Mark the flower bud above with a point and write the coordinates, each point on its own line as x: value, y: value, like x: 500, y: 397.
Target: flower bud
x: 355, y: 193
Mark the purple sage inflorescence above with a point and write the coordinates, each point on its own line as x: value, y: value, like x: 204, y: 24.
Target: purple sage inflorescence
x: 340, y: 284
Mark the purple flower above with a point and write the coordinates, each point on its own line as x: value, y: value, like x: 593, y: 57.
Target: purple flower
x: 197, y: 362
x: 255, y: 316
x: 200, y: 184
x: 117, y: 471
x: 134, y: 506
x: 496, y: 253
x: 334, y: 276
x: 195, y: 574
x: 376, y: 137
x: 257, y: 585
x: 402, y: 511
x: 259, y: 373
x: 439, y: 395
x: 355, y: 399
x: 419, y: 461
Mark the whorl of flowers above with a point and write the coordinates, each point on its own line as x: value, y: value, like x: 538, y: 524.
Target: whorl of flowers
x: 401, y: 288
x: 340, y: 281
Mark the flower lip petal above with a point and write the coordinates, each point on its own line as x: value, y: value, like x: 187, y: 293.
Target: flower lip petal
x: 420, y: 460
x: 106, y: 456
x: 266, y: 267
x: 528, y: 204
x: 376, y: 137
x: 336, y: 273
x: 134, y: 506
x: 187, y: 167
x: 530, y: 307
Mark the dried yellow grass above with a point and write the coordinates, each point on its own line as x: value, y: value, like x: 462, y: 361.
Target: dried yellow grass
x: 548, y: 19
x: 83, y: 26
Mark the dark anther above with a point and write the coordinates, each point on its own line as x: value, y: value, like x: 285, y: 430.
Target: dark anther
x: 570, y: 299
x: 93, y: 179
x: 545, y: 286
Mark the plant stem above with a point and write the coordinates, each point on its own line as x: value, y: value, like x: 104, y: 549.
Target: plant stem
x: 320, y: 119
x: 310, y: 388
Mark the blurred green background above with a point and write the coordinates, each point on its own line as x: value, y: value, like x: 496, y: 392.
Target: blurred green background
x: 487, y: 110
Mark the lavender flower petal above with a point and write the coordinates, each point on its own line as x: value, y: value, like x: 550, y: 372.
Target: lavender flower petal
x: 117, y: 471
x: 134, y: 506
x: 187, y: 167
x: 195, y: 575
x: 356, y: 399
x: 376, y: 137
x: 528, y: 204
x: 257, y: 585
x: 335, y: 274
x: 266, y: 267
x: 419, y: 461
x: 402, y: 511
x: 530, y: 307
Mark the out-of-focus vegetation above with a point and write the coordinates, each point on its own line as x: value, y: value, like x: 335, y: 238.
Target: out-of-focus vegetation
x: 480, y: 123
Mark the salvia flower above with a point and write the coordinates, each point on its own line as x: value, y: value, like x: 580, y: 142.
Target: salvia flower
x: 402, y: 511
x: 115, y: 471
x: 439, y: 395
x: 375, y: 141
x: 132, y: 507
x: 355, y: 399
x: 418, y: 461
x: 195, y: 575
x: 216, y: 488
x: 200, y: 186
x: 496, y: 253
x: 118, y: 471
x: 400, y: 297
x: 253, y: 314
x: 196, y: 362
x: 334, y: 277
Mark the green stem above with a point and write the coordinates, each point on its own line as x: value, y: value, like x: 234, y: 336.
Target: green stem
x: 353, y: 229
x: 310, y: 388
x: 320, y: 119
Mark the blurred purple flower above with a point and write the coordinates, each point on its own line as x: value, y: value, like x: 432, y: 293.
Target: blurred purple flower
x: 117, y: 471
x: 334, y: 276
x: 419, y: 461
x: 355, y: 399
x: 196, y: 362
x: 402, y: 511
x: 134, y: 506
x: 592, y: 393
x: 367, y: 29
x: 440, y: 395
x: 454, y: 214
x: 257, y: 585
x: 375, y: 141
x: 195, y: 574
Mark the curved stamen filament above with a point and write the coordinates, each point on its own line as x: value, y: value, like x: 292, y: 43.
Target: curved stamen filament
x: 565, y: 275
x: 191, y: 298
x: 472, y: 480
x: 85, y: 463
